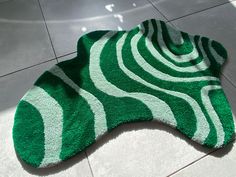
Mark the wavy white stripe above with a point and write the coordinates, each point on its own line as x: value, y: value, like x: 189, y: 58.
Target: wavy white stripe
x: 203, y: 65
x: 100, y: 124
x: 175, y: 35
x: 156, y: 73
x: 202, y: 127
x: 219, y: 59
x: 212, y: 113
x: 52, y: 115
x: 177, y: 58
x: 159, y: 109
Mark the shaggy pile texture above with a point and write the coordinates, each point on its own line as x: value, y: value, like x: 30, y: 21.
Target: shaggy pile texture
x: 150, y: 73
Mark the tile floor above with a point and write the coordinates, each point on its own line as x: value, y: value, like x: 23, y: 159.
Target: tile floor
x: 36, y: 34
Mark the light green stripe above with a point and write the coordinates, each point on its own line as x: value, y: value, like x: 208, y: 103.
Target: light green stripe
x: 175, y: 36
x: 201, y: 66
x: 153, y: 71
x: 52, y: 115
x: 211, y: 111
x: 100, y: 124
x: 203, y: 128
x: 177, y: 58
x: 160, y: 110
x: 219, y: 59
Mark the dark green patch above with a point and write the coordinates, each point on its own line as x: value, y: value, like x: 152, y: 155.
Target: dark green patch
x: 222, y: 108
x: 28, y: 134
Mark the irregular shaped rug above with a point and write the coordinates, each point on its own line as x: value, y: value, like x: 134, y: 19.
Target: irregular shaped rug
x: 150, y: 73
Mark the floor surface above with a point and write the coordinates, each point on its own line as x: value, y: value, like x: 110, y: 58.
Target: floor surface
x: 36, y: 34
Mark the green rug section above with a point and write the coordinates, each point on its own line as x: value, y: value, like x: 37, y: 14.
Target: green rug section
x: 150, y: 73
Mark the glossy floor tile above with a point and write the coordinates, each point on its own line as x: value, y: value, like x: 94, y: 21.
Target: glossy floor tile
x: 80, y: 9
x: 217, y: 23
x: 24, y: 40
x: 67, y: 57
x: 221, y: 162
x: 215, y: 165
x: 12, y: 88
x: 175, y: 9
x: 142, y: 149
x: 230, y: 91
x: 68, y: 20
x: 137, y: 149
x: 150, y: 149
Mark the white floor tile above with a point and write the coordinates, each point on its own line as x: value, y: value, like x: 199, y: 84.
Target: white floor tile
x: 138, y: 149
x: 142, y: 149
x: 68, y: 20
x: 67, y: 57
x: 86, y: 8
x: 147, y: 149
x: 218, y: 23
x: 12, y: 88
x: 221, y: 162
x: 24, y: 40
x: 218, y: 164
x: 178, y: 8
x: 230, y: 92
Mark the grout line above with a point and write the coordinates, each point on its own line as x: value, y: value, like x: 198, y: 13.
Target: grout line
x: 158, y: 10
x: 195, y: 161
x: 66, y: 54
x: 226, y: 77
x: 224, y: 3
x: 49, y: 36
x: 89, y: 163
x: 27, y: 67
x: 174, y: 25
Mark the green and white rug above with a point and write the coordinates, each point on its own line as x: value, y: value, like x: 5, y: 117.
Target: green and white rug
x: 150, y: 73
